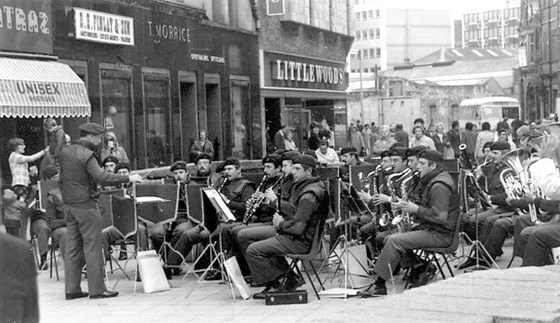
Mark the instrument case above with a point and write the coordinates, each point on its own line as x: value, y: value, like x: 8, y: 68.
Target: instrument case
x: 282, y: 298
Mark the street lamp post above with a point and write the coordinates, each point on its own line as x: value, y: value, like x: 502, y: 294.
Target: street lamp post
x: 361, y: 88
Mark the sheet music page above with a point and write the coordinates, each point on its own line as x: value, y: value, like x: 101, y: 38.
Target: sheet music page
x: 149, y: 199
x: 224, y: 210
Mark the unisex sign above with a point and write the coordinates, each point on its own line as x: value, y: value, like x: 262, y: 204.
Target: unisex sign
x: 302, y: 72
x: 103, y: 27
x: 25, y: 26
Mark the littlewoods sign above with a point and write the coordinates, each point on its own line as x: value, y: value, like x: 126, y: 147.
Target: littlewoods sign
x: 308, y: 73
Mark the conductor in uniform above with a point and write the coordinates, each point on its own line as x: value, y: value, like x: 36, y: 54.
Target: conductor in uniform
x: 79, y: 175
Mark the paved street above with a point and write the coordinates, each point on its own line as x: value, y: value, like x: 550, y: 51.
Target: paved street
x: 528, y: 293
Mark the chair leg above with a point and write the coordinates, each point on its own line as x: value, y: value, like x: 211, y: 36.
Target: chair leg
x: 310, y: 280
x: 321, y: 284
x: 435, y: 259
x: 510, y: 261
x: 53, y: 255
x: 447, y: 264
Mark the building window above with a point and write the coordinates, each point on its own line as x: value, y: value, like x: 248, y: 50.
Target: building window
x: 371, y: 34
x: 377, y: 33
x: 377, y: 13
x: 358, y: 35
x: 370, y: 14
x: 156, y: 109
x: 371, y: 53
x: 358, y: 16
x: 378, y: 52
x: 352, y: 56
x: 241, y: 121
x: 364, y: 53
x: 116, y: 103
x: 364, y: 15
x: 364, y: 34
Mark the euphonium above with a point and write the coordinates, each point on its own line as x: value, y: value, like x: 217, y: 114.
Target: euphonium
x: 517, y: 183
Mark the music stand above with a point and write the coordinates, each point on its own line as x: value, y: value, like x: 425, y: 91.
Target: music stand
x: 355, y: 205
x: 125, y: 221
x: 159, y: 204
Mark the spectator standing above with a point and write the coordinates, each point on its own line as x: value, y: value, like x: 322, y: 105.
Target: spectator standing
x: 401, y: 136
x: 356, y: 139
x: 57, y: 140
x: 314, y: 139
x: 483, y: 137
x: 469, y: 139
x: 289, y: 143
x: 366, y: 135
x: 454, y: 137
x: 112, y: 148
x: 280, y: 138
x: 383, y: 143
x: 420, y: 139
x: 19, y: 166
x: 440, y: 138
x: 202, y: 146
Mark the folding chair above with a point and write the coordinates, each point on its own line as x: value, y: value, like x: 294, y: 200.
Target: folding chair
x: 106, y: 211
x: 125, y: 221
x: 433, y: 253
x: 309, y: 257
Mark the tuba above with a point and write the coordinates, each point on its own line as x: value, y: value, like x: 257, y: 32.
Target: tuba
x: 515, y: 179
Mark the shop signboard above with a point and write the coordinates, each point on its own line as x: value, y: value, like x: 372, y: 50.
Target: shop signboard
x: 103, y: 27
x: 25, y: 26
x: 289, y: 71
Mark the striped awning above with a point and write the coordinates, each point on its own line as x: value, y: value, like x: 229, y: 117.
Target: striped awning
x: 31, y: 88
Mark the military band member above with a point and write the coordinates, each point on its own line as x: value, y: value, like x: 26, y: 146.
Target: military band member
x: 437, y: 214
x: 266, y: 258
x: 203, y: 164
x: 79, y: 174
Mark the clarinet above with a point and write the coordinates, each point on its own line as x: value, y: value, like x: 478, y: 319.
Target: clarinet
x: 255, y: 203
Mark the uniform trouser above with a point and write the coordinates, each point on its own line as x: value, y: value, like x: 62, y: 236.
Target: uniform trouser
x: 399, y: 249
x: 59, y: 238
x: 245, y: 235
x: 158, y: 231
x: 540, y: 239
x: 111, y: 235
x: 501, y: 228
x: 266, y: 258
x: 520, y: 240
x: 41, y: 230
x: 84, y: 245
x: 485, y: 221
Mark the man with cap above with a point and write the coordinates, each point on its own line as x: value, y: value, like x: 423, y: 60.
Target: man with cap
x: 79, y: 175
x: 311, y: 203
x: 496, y: 195
x: 174, y: 231
x: 436, y: 213
x: 203, y: 164
x: 235, y: 193
x: 326, y: 156
x: 276, y: 201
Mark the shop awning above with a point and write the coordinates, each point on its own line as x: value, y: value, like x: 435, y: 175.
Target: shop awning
x: 31, y: 88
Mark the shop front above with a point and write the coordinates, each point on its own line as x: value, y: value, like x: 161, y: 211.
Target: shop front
x: 33, y: 83
x: 298, y: 91
x: 157, y: 74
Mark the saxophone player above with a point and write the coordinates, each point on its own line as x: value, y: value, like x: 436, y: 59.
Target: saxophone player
x: 437, y: 214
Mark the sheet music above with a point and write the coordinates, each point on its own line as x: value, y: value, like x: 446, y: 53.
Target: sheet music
x: 219, y: 203
x: 150, y: 199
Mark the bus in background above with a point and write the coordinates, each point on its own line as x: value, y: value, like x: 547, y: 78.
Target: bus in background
x: 489, y: 109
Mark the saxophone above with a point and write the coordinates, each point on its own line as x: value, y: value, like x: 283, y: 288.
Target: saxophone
x: 397, y: 219
x: 384, y: 220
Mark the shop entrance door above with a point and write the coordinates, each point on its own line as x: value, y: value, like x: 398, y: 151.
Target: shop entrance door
x: 214, y: 113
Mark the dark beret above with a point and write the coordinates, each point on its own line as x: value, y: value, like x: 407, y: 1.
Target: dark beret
x: 397, y: 144
x: 487, y: 145
x: 220, y: 167
x: 323, y: 142
x: 232, y: 161
x: 415, y: 151
x: 500, y: 145
x: 50, y: 171
x: 92, y: 128
x: 202, y: 156
x: 290, y: 155
x: 122, y: 165
x: 178, y: 165
x: 305, y: 160
x: 431, y: 155
x: 311, y: 153
x: 398, y: 151
x: 110, y: 159
x: 385, y: 153
x: 348, y: 150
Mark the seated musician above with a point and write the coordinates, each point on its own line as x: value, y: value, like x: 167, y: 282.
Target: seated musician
x: 111, y: 234
x: 183, y: 223
x: 436, y: 213
x: 54, y: 212
x: 110, y: 163
x: 266, y: 257
x: 399, y: 173
x: 349, y: 156
x: 496, y: 195
x: 277, y: 167
x: 536, y: 241
x: 203, y: 169
x: 235, y: 193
